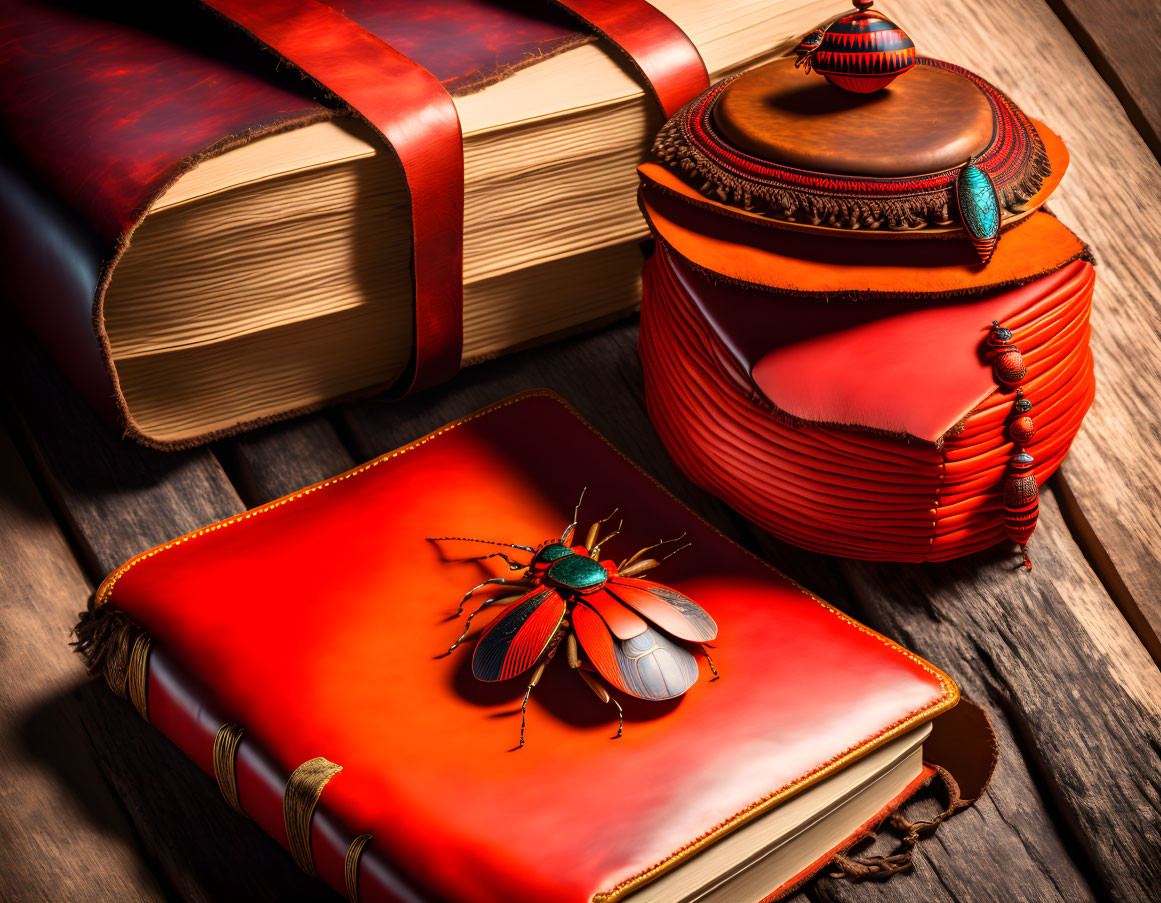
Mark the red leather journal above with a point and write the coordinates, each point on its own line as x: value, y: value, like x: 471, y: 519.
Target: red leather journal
x: 312, y: 628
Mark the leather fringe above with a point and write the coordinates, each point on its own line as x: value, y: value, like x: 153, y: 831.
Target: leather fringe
x: 897, y: 214
x: 105, y: 638
x: 881, y: 868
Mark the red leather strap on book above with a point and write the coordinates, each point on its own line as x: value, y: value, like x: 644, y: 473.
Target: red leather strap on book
x: 654, y: 44
x: 409, y: 107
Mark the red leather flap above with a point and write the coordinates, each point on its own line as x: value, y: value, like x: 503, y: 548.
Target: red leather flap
x: 743, y: 248
x: 909, y: 368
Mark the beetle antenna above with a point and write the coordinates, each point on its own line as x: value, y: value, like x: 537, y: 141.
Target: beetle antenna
x: 675, y: 551
x: 512, y: 565
x: 564, y: 537
x: 489, y: 542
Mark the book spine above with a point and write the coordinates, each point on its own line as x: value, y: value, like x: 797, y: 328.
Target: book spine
x: 177, y: 706
x: 52, y: 271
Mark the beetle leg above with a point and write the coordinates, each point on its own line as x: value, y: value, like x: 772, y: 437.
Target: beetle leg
x: 566, y: 535
x: 495, y: 580
x: 628, y: 561
x: 553, y: 645
x: 595, y: 529
x: 606, y: 697
x: 640, y: 566
x: 709, y: 661
x: 499, y: 600
x: 596, y: 550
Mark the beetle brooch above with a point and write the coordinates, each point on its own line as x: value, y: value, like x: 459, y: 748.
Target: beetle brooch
x: 634, y: 633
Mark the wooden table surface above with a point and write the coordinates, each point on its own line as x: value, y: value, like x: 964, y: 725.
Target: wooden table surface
x: 95, y: 805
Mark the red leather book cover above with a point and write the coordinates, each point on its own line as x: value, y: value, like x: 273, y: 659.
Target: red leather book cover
x: 317, y: 624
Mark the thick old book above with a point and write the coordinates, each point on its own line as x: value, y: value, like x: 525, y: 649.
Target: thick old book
x: 206, y: 241
x: 296, y: 653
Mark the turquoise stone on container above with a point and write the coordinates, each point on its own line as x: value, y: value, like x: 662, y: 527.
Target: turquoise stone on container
x: 979, y: 209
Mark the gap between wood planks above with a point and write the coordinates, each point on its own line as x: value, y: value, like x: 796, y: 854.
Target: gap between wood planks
x: 1122, y: 39
x: 1098, y: 558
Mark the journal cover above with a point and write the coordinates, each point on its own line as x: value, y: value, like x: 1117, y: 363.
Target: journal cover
x: 312, y: 628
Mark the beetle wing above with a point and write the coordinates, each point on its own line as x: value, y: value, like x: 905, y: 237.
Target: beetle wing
x: 665, y: 607
x: 623, y: 622
x: 513, y: 642
x: 649, y: 665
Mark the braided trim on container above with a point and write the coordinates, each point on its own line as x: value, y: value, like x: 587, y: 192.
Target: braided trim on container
x: 691, y: 145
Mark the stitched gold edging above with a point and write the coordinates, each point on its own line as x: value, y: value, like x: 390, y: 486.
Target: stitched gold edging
x: 137, y: 675
x: 946, y: 701
x: 225, y: 759
x: 351, y: 866
x: 303, y: 788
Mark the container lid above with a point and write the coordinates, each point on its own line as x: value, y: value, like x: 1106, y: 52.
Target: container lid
x: 933, y: 151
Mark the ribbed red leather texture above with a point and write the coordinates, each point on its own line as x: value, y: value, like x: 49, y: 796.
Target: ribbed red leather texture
x: 654, y: 44
x: 849, y: 490
x: 415, y: 115
x: 317, y: 622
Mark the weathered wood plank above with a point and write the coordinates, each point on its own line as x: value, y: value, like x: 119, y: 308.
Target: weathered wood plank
x: 272, y: 462
x: 63, y: 833
x: 118, y: 498
x: 1110, y: 198
x: 1122, y: 39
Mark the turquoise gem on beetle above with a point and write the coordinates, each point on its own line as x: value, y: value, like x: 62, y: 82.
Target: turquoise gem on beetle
x: 577, y: 573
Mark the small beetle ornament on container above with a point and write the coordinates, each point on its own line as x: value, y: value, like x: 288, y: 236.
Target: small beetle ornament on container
x: 642, y: 637
x: 1008, y: 366
x: 861, y: 52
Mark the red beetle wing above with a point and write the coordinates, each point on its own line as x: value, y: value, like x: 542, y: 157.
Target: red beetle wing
x: 622, y: 620
x: 513, y: 642
x: 665, y: 607
x: 649, y: 665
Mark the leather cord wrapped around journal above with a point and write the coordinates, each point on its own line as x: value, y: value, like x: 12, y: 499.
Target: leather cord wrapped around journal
x: 293, y: 653
x: 222, y: 220
x: 861, y: 328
